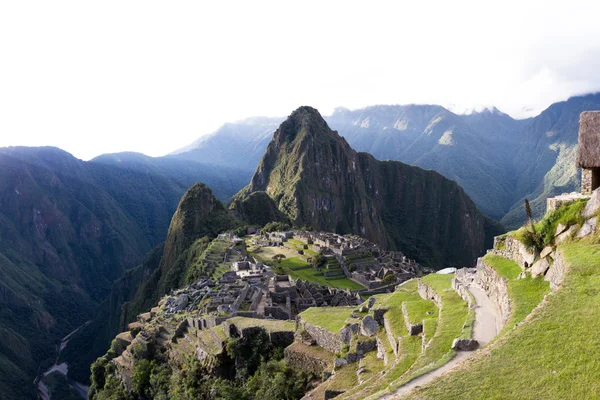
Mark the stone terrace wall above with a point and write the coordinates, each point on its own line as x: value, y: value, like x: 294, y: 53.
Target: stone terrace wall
x: 513, y: 250
x: 427, y: 293
x: 495, y: 287
x: 324, y: 338
x: 296, y: 356
x: 462, y: 278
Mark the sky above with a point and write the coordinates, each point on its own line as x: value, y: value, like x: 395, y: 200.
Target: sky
x: 150, y: 76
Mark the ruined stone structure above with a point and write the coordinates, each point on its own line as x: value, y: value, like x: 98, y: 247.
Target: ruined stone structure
x: 588, y: 152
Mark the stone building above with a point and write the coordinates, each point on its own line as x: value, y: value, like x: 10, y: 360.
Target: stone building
x: 588, y: 153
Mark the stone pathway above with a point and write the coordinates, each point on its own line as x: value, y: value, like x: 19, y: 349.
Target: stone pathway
x: 488, y: 323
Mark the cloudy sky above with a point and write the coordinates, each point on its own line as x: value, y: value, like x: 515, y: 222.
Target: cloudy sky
x: 149, y: 76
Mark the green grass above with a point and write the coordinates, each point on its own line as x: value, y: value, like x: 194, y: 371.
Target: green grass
x: 552, y: 356
x: 344, y: 378
x: 451, y: 322
x: 269, y: 324
x: 525, y: 293
x: 331, y: 318
x: 300, y: 269
x: 371, y: 364
x: 417, y: 310
x: 567, y: 214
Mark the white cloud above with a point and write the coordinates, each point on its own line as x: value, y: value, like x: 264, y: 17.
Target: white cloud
x: 152, y: 76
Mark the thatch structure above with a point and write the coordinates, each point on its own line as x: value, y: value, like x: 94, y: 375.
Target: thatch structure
x: 588, y: 153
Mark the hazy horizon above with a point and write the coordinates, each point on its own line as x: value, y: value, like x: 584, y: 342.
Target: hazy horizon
x: 151, y: 78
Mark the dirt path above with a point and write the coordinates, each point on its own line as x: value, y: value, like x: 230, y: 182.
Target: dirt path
x: 487, y: 325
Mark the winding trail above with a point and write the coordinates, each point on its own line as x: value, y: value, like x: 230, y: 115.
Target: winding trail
x: 488, y: 323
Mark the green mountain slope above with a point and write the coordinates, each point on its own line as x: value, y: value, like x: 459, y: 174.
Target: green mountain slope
x: 183, y: 169
x: 68, y: 229
x: 316, y: 179
x: 198, y: 218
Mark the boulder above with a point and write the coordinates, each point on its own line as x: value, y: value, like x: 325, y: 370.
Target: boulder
x: 371, y: 302
x: 363, y: 309
x: 560, y: 229
x: 181, y: 302
x: 368, y: 326
x: 565, y: 235
x: 593, y: 205
x: 588, y: 227
x: 540, y: 267
x: 464, y: 344
x: 547, y: 250
x: 347, y: 332
x: 339, y: 362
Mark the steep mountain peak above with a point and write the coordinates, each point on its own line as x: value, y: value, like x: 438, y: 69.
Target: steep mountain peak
x: 312, y: 176
x: 304, y: 121
x: 199, y: 214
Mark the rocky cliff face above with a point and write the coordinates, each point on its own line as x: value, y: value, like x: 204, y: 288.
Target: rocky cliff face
x: 316, y: 179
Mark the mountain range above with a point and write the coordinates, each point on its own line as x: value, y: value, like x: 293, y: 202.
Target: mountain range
x: 72, y: 231
x: 313, y: 176
x: 68, y: 230
x: 499, y: 161
x: 309, y: 175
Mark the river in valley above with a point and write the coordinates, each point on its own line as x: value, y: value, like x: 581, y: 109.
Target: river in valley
x: 62, y: 368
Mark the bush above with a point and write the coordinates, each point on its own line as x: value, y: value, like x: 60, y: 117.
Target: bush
x: 274, y: 227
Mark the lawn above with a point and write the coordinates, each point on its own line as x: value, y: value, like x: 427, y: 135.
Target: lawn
x: 552, y: 356
x: 299, y: 269
x: 331, y: 318
x: 525, y: 293
x: 268, y: 324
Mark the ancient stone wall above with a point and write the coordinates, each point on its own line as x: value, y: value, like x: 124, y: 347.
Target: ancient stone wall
x: 426, y: 292
x: 394, y: 341
x: 276, y: 312
x: 513, y: 249
x: 324, y: 338
x: 495, y: 287
x: 586, y: 181
x: 462, y: 278
x: 303, y: 360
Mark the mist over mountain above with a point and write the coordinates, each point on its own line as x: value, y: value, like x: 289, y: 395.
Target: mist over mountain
x: 499, y: 161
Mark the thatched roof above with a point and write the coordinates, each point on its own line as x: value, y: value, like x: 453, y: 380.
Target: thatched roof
x: 588, y: 154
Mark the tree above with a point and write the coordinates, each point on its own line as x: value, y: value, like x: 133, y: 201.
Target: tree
x: 278, y: 257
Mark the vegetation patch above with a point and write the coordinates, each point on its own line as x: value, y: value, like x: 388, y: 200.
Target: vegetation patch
x: 525, y: 294
x: 553, y: 356
x: 331, y: 318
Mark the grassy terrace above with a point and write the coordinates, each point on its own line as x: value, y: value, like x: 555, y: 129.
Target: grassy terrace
x: 552, y: 356
x: 455, y: 320
x: 270, y: 325
x: 331, y: 318
x: 418, y: 310
x: 212, y: 339
x: 300, y: 269
x: 525, y: 294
